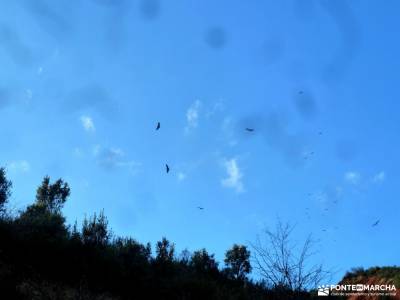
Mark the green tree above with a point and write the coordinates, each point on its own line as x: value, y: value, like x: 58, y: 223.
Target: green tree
x: 237, y: 261
x: 52, y: 196
x: 5, y: 190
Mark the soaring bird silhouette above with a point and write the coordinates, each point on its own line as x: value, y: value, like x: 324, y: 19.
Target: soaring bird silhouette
x: 158, y: 126
x: 167, y: 168
x: 249, y: 129
x: 376, y: 223
x: 199, y: 207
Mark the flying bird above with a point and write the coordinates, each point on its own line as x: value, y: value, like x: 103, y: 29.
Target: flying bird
x: 167, y: 168
x: 249, y: 129
x: 158, y: 126
x: 376, y: 223
x: 300, y: 92
x: 199, y: 207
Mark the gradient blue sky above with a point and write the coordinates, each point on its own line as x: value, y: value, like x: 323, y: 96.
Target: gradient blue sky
x: 83, y: 84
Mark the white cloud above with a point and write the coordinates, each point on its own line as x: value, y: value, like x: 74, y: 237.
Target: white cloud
x: 21, y: 166
x: 229, y: 131
x: 217, y: 107
x: 352, y: 177
x: 181, y: 176
x: 234, y: 179
x: 192, y: 116
x: 379, y: 178
x: 87, y: 123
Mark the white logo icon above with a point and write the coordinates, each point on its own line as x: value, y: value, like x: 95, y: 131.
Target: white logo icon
x: 323, y: 291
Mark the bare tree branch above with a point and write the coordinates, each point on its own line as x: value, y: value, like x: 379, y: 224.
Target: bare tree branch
x: 285, y: 264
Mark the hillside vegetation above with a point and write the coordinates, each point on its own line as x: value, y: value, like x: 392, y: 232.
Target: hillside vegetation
x: 42, y: 257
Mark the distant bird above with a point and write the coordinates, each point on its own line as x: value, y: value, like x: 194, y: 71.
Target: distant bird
x: 301, y: 92
x: 249, y: 129
x: 199, y: 207
x: 158, y: 126
x: 167, y: 168
x: 376, y: 223
x: 320, y: 133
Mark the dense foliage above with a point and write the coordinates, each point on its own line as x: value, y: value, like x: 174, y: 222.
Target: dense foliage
x: 41, y: 257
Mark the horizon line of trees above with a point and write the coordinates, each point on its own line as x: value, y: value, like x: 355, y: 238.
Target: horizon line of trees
x: 41, y: 255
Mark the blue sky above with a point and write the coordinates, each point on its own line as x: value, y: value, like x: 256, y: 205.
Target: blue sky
x: 83, y: 84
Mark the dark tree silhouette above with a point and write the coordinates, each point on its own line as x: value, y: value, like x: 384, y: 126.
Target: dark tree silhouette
x: 165, y: 251
x: 42, y: 257
x: 52, y: 196
x: 95, y: 230
x: 5, y: 190
x: 237, y: 261
x: 43, y: 219
x: 203, y: 262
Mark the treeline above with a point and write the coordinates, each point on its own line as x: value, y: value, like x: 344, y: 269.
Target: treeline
x: 42, y: 257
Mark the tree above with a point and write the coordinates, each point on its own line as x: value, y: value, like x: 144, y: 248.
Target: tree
x: 165, y: 251
x: 237, y: 261
x: 5, y: 190
x: 44, y: 218
x: 95, y: 230
x: 52, y: 196
x: 184, y: 256
x: 285, y: 264
x: 203, y: 262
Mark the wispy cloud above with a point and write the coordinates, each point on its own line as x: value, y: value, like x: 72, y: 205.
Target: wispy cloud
x: 228, y: 131
x: 352, y: 177
x: 234, y: 176
x: 192, y: 116
x: 114, y: 158
x: 21, y: 166
x: 379, y: 177
x: 216, y: 107
x: 87, y: 123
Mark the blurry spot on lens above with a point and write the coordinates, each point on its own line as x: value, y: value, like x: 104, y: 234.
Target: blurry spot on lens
x: 149, y: 9
x: 216, y: 37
